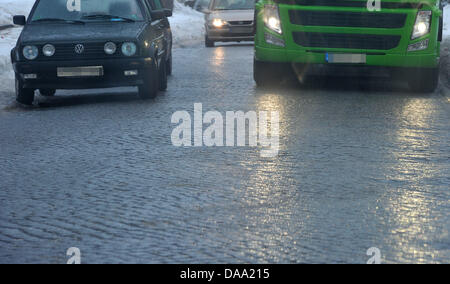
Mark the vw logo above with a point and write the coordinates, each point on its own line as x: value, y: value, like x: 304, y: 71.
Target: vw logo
x: 79, y: 48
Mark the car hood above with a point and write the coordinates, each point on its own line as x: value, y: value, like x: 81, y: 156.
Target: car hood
x: 48, y: 33
x: 233, y: 15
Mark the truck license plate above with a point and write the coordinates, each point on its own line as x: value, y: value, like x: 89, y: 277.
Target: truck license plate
x: 346, y: 58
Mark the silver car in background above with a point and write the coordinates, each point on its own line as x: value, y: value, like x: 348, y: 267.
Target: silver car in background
x: 229, y: 20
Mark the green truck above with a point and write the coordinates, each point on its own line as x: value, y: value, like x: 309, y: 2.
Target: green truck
x: 346, y: 36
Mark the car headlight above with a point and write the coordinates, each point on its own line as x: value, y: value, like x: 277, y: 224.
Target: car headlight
x: 129, y: 49
x: 422, y: 25
x: 218, y: 23
x: 110, y: 48
x: 48, y: 50
x: 30, y: 52
x: 272, y: 18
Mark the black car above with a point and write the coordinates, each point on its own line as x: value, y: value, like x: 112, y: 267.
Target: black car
x: 84, y: 44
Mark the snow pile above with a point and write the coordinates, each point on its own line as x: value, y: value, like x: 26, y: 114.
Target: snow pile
x: 188, y: 26
x: 9, y: 8
x: 8, y: 39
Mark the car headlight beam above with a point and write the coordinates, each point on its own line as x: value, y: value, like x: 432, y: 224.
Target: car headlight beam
x: 218, y: 23
x: 423, y: 24
x: 272, y: 18
x: 30, y: 52
x: 129, y: 48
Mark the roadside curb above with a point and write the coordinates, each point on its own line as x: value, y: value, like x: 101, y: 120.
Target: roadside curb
x: 4, y: 27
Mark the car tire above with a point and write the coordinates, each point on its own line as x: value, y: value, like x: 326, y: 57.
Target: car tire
x: 424, y: 80
x: 23, y: 95
x: 209, y: 43
x: 163, y: 77
x: 267, y: 74
x: 169, y: 66
x: 47, y: 92
x: 149, y: 90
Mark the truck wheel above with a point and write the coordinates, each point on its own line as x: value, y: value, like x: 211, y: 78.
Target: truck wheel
x: 23, y: 96
x: 268, y: 74
x: 208, y: 42
x: 163, y: 77
x: 47, y: 92
x: 424, y: 80
x: 149, y: 90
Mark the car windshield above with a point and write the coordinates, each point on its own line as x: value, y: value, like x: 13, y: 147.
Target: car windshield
x: 233, y: 5
x: 87, y: 10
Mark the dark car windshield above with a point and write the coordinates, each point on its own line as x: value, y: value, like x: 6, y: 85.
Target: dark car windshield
x: 87, y: 10
x: 233, y: 5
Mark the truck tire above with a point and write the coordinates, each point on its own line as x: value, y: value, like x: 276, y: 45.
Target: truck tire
x: 424, y: 80
x: 23, y: 96
x: 163, y: 77
x: 267, y: 74
x: 149, y: 90
x: 169, y: 66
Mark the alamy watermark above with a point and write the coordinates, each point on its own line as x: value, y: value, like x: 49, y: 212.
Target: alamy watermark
x: 374, y: 5
x: 236, y: 128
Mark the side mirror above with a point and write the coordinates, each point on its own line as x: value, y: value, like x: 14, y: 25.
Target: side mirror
x: 168, y: 13
x: 158, y: 15
x: 19, y: 20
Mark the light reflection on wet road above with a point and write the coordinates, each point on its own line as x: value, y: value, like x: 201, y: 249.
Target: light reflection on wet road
x: 359, y: 167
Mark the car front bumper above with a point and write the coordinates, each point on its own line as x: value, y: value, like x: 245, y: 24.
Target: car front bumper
x: 227, y: 34
x: 113, y: 73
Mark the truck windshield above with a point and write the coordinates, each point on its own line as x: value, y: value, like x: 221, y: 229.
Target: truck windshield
x: 233, y: 5
x: 87, y: 10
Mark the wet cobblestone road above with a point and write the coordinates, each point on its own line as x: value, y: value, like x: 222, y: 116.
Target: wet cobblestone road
x: 357, y: 168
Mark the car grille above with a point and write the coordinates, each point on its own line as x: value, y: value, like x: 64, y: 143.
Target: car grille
x: 91, y: 51
x: 350, y: 3
x: 241, y: 23
x: 351, y: 41
x: 347, y: 19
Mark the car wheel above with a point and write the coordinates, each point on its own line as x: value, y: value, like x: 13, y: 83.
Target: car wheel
x: 169, y: 66
x: 47, y: 92
x: 163, y: 77
x: 209, y: 43
x: 268, y: 74
x: 23, y: 96
x: 424, y: 80
x: 149, y: 90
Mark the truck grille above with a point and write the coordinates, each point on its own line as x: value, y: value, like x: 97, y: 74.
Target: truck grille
x: 347, y: 19
x: 351, y: 41
x: 350, y: 3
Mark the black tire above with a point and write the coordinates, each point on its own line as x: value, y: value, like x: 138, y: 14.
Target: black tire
x: 149, y: 90
x: 23, y: 96
x: 267, y: 74
x: 424, y: 80
x: 208, y: 42
x: 163, y: 77
x: 47, y: 92
x: 169, y: 66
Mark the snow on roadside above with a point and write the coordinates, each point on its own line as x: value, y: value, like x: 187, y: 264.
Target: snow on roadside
x: 187, y: 26
x: 9, y: 8
x: 447, y: 21
x: 7, y: 41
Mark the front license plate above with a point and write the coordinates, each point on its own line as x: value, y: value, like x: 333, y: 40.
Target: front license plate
x: 346, y: 58
x: 90, y: 71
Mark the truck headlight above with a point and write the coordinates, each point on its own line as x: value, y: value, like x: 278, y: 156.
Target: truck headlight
x: 30, y: 52
x: 422, y: 25
x: 218, y: 23
x: 272, y: 18
x: 129, y: 49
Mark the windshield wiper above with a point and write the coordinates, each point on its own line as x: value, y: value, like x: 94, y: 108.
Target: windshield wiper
x: 58, y: 20
x: 107, y: 17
